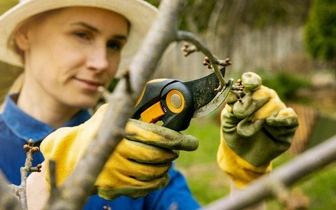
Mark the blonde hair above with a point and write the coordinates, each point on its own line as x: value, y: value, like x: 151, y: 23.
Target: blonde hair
x: 15, y: 88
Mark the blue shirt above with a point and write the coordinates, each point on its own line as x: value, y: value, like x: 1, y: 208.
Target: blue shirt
x: 17, y: 127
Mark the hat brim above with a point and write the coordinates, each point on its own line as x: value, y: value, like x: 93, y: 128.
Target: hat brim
x: 139, y: 13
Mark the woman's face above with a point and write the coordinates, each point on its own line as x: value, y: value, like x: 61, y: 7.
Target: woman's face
x: 71, y: 52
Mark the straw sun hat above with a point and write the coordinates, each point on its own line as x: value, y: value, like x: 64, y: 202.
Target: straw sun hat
x: 139, y: 13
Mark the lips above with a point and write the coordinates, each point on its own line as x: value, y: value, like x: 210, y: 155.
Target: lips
x: 90, y: 84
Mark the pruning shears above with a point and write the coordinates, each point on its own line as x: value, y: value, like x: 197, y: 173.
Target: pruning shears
x: 175, y: 102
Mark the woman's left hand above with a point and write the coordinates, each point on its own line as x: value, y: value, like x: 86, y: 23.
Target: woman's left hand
x: 254, y: 131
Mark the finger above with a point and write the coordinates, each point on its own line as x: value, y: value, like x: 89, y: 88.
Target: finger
x: 150, y: 172
x: 127, y: 171
x: 247, y: 127
x: 274, y: 104
x: 281, y: 134
x: 251, y: 81
x: 141, y: 171
x: 144, y: 153
x: 248, y: 105
x: 160, y: 136
x: 141, y: 177
x: 282, y: 124
x: 148, y: 187
x: 141, y: 189
x: 228, y: 120
x: 284, y: 118
x: 231, y: 99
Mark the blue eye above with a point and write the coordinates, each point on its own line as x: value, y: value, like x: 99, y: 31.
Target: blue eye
x: 114, y: 45
x: 82, y: 35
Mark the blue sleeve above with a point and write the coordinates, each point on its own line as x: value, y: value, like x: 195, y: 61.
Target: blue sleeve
x: 176, y: 193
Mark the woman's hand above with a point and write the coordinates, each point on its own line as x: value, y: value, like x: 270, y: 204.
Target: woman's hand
x: 139, y: 164
x: 254, y: 132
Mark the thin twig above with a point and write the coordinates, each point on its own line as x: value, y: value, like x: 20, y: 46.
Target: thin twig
x: 189, y: 37
x: 20, y: 191
x: 25, y: 170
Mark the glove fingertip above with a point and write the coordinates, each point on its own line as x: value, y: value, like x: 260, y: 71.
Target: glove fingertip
x: 283, y: 122
x: 284, y: 117
x: 251, y: 81
x: 189, y: 143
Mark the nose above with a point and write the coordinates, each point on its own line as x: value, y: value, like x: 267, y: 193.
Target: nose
x: 97, y: 59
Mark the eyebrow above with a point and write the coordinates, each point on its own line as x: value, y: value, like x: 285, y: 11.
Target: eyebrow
x: 94, y: 29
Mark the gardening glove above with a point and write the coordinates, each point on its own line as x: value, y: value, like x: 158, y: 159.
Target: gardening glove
x: 254, y: 131
x: 138, y: 166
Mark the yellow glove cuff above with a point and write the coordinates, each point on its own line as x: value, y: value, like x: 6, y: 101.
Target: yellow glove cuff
x: 240, y: 171
x: 63, y: 147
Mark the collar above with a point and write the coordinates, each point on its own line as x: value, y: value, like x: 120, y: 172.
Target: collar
x: 26, y: 127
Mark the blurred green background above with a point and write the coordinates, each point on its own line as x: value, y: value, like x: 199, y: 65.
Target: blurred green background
x: 291, y: 44
x: 209, y: 183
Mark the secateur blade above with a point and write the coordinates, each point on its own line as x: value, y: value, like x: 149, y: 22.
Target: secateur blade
x: 206, y: 99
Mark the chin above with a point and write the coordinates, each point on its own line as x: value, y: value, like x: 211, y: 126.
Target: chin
x: 85, y: 103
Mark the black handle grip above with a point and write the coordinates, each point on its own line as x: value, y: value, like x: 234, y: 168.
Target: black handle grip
x: 177, y: 101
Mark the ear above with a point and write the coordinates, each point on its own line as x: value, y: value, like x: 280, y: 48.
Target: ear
x: 22, y: 38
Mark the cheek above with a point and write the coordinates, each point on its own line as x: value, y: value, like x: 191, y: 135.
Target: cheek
x: 113, y: 67
x: 69, y: 56
x: 56, y: 58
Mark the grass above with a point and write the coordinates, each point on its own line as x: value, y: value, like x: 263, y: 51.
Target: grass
x: 206, y: 180
x: 208, y: 183
x: 321, y: 188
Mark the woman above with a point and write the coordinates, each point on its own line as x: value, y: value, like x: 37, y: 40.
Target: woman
x: 70, y: 49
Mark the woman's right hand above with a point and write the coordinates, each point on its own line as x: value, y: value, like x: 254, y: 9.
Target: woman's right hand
x: 139, y: 164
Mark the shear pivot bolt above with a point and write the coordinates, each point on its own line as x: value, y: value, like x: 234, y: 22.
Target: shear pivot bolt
x: 176, y: 101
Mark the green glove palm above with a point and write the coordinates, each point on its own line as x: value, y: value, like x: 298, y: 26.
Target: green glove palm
x: 254, y: 132
x: 138, y: 166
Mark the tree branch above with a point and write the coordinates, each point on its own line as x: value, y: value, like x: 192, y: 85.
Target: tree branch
x: 20, y: 191
x: 307, y: 163
x: 214, y: 61
x: 74, y: 192
x: 7, y: 198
